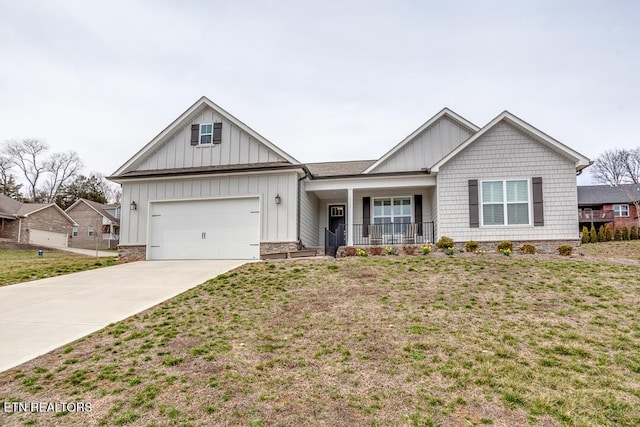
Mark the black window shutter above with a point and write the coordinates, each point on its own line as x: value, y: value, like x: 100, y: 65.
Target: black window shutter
x: 195, y: 134
x: 474, y: 213
x: 538, y: 211
x: 366, y: 216
x: 217, y: 133
x: 417, y: 212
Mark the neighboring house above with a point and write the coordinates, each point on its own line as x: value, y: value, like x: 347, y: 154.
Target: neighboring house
x: 98, y: 225
x: 43, y: 224
x: 208, y: 186
x: 603, y: 204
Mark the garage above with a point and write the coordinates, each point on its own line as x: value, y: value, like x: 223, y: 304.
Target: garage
x: 48, y: 238
x: 204, y: 229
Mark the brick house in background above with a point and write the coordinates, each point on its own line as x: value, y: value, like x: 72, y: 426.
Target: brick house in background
x: 603, y: 204
x: 44, y: 224
x: 97, y: 225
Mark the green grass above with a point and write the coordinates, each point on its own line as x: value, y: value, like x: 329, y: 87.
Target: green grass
x: 416, y: 341
x: 17, y: 266
x: 621, y: 250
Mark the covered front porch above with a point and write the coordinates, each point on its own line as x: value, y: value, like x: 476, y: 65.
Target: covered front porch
x: 375, y: 211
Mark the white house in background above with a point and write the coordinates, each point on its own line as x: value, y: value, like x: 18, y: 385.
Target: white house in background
x: 208, y: 186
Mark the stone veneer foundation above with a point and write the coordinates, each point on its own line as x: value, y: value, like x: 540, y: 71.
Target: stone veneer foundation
x: 139, y: 252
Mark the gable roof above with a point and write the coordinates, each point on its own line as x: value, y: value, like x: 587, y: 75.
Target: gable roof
x: 9, y: 206
x: 581, y: 161
x: 181, y: 121
x: 604, y: 194
x: 12, y: 208
x: 445, y: 112
x: 97, y: 207
x: 354, y: 167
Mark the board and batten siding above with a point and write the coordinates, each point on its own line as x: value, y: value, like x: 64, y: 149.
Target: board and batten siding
x: 308, y: 218
x: 506, y: 153
x: 237, y: 147
x: 426, y: 149
x: 278, y: 222
x: 434, y: 212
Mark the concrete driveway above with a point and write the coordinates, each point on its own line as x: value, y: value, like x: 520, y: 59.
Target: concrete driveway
x: 37, y: 317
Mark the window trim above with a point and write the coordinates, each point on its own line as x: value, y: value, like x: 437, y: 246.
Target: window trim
x: 90, y: 231
x: 619, y: 205
x: 74, y: 231
x: 373, y: 204
x: 505, y: 204
x: 201, y: 134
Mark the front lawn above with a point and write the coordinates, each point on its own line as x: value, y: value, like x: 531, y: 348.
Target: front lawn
x: 18, y: 266
x: 621, y: 250
x: 422, y: 341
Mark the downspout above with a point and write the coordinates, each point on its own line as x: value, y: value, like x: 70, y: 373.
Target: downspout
x: 307, y: 174
x: 19, y: 228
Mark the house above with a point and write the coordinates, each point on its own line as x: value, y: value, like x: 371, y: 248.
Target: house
x: 98, y: 225
x: 209, y: 186
x: 44, y: 224
x: 603, y: 204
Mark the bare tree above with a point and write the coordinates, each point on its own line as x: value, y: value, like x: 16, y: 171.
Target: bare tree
x: 632, y: 165
x: 8, y: 184
x: 609, y: 168
x: 26, y: 155
x: 633, y: 193
x: 61, y: 167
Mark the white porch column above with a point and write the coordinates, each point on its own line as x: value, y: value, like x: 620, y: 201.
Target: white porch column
x: 349, y: 216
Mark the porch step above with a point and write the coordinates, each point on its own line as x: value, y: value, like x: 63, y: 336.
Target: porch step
x: 274, y: 255
x: 293, y: 254
x: 303, y: 253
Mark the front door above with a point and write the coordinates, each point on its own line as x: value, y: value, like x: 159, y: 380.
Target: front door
x: 336, y: 221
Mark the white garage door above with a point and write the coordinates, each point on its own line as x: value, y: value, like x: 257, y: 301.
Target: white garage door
x: 205, y: 229
x: 47, y: 238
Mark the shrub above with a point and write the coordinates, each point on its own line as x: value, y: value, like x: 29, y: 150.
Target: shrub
x: 409, y: 250
x: 565, y: 250
x: 375, y: 250
x: 633, y: 234
x: 426, y: 249
x: 617, y: 234
x: 607, y: 233
x: 349, y: 251
x: 528, y: 248
x: 625, y: 233
x: 506, y: 244
x: 449, y: 251
x: 471, y: 246
x: 361, y: 252
x: 601, y: 234
x: 444, y: 242
x: 593, y: 236
x: 585, y: 234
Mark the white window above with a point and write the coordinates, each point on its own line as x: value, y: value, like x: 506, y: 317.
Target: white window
x: 620, y: 210
x: 90, y: 231
x: 392, y: 210
x: 206, y: 133
x: 74, y: 232
x: 505, y: 202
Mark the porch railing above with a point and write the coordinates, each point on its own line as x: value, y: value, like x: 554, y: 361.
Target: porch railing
x: 595, y: 216
x: 110, y: 236
x: 393, y: 234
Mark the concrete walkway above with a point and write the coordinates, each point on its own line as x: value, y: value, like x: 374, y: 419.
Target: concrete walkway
x: 40, y: 316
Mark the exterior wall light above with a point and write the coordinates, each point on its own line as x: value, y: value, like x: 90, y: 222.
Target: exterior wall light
x: 133, y: 206
x: 278, y: 199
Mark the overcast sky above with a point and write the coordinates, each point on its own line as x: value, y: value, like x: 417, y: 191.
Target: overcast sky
x: 323, y: 80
